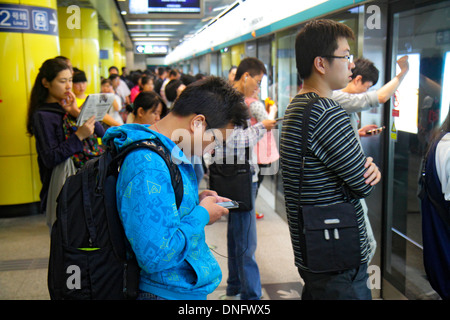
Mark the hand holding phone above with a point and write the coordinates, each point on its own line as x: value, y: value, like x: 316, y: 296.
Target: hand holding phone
x: 229, y: 204
x: 374, y: 131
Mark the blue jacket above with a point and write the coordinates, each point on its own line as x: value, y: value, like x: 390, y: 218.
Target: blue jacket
x: 169, y: 243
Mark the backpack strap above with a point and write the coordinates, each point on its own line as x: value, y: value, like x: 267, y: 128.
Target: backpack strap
x: 158, y: 147
x: 87, y: 203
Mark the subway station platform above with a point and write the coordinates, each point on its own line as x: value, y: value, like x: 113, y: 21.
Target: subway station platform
x: 25, y: 243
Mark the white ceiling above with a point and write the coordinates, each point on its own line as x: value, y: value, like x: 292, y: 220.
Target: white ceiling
x: 168, y: 30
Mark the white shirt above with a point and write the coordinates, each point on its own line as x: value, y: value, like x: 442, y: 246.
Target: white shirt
x: 115, y: 114
x: 356, y: 102
x: 443, y: 164
x: 123, y: 91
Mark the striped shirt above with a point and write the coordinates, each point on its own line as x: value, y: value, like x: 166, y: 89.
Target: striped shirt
x: 334, y: 155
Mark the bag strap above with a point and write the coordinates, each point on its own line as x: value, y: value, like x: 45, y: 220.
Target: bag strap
x: 304, y: 142
x: 158, y: 147
x: 87, y: 203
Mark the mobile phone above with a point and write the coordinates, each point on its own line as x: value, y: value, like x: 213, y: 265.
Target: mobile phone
x: 229, y: 204
x: 374, y: 131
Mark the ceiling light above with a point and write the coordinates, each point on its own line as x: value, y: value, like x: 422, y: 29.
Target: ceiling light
x: 145, y: 34
x: 170, y: 35
x: 139, y: 34
x: 154, y: 22
x: 219, y: 8
x: 150, y: 39
x: 151, y: 30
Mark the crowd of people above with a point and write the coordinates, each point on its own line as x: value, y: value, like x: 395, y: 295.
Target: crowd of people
x: 223, y: 116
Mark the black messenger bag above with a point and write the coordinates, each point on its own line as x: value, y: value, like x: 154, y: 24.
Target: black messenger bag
x: 329, y: 235
x: 233, y: 180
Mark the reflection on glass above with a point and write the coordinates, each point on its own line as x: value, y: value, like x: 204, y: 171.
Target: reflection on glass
x: 423, y: 103
x: 445, y: 100
x: 406, y: 97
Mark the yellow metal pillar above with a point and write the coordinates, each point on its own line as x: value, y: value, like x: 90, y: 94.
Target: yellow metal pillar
x: 237, y: 54
x: 28, y: 37
x: 106, y: 40
x: 79, y: 37
x: 118, y: 55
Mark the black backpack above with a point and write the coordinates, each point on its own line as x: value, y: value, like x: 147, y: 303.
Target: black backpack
x: 90, y: 257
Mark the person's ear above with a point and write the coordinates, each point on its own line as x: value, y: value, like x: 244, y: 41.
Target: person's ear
x: 320, y: 64
x: 197, y: 122
x: 358, y: 79
x: 45, y: 83
x: 140, y: 112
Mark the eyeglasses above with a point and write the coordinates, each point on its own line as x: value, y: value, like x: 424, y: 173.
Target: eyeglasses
x: 349, y: 58
x: 216, y: 141
x: 258, y: 82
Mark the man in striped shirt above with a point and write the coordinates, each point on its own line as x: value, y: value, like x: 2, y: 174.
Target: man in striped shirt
x: 333, y: 153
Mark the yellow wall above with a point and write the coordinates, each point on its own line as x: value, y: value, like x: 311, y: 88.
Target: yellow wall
x: 81, y: 45
x: 237, y: 54
x: 106, y: 40
x: 118, y: 55
x: 22, y: 54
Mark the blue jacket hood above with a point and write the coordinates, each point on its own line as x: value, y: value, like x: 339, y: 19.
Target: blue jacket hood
x: 127, y: 134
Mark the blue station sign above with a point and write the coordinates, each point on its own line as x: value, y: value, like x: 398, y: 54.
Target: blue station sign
x: 28, y: 19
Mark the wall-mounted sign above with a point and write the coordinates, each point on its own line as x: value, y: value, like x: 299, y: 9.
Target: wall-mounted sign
x: 151, y: 49
x: 28, y: 19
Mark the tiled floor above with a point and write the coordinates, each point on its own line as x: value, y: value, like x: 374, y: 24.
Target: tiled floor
x: 25, y: 242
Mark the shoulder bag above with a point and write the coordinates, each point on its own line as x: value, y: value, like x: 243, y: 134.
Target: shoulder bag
x: 329, y: 235
x: 233, y: 180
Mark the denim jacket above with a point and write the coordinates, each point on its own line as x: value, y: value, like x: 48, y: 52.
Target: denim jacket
x: 169, y: 243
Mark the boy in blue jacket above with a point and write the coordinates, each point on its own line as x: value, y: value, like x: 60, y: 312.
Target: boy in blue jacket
x: 169, y: 243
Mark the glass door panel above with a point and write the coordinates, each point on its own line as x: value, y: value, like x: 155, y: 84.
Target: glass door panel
x: 419, y: 106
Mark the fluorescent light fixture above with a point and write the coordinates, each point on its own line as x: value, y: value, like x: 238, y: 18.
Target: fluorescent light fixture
x: 152, y: 30
x: 150, y: 39
x: 170, y: 35
x: 173, y: 23
x: 146, y: 34
x: 219, y: 8
x: 139, y: 34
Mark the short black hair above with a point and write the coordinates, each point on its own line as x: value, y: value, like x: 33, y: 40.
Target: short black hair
x: 318, y: 38
x: 113, y: 67
x: 251, y: 65
x: 366, y: 69
x: 79, y: 76
x: 149, y: 100
x: 171, y: 89
x: 113, y: 76
x: 217, y: 100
